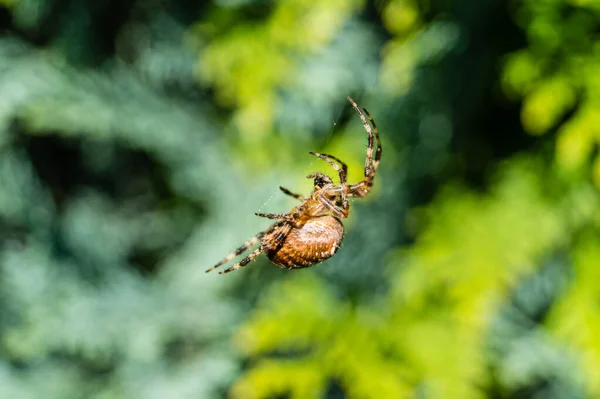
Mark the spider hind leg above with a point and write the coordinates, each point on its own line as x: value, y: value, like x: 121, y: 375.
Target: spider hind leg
x: 275, y: 236
x: 238, y: 251
x: 244, y: 261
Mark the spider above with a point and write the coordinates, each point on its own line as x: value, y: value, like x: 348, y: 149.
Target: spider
x: 312, y: 231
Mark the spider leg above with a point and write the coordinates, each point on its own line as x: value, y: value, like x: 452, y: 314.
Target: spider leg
x: 370, y: 138
x: 362, y: 188
x: 321, y: 175
x: 378, y: 149
x: 342, y: 163
x: 291, y: 194
x: 274, y: 216
x: 280, y: 231
x: 278, y: 236
x: 281, y: 234
x: 340, y: 212
x: 329, y: 159
x: 244, y: 261
x: 343, y: 170
x: 238, y: 251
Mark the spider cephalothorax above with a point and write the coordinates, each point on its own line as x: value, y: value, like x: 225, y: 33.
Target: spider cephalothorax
x: 312, y: 231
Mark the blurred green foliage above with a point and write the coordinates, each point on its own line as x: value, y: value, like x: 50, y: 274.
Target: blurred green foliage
x: 137, y: 140
x: 557, y: 77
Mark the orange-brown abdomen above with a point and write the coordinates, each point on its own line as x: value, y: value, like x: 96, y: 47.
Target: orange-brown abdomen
x: 317, y: 240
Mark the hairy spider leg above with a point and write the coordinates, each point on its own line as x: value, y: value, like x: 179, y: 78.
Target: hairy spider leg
x: 341, y: 213
x: 238, y: 251
x: 291, y: 194
x: 329, y: 159
x: 342, y: 172
x: 279, y: 237
x: 378, y: 150
x: 370, y: 139
x: 342, y: 163
x: 362, y: 188
x: 274, y: 215
x: 321, y: 175
x: 244, y: 262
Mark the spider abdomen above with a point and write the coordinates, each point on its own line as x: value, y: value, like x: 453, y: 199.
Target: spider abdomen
x: 318, y: 239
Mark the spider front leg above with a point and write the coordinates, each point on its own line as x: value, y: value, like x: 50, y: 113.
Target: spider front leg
x: 362, y: 188
x: 378, y: 150
x: 343, y: 171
